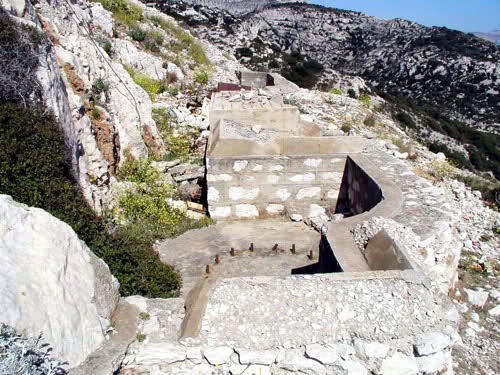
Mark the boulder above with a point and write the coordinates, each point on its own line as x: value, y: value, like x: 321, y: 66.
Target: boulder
x: 52, y: 283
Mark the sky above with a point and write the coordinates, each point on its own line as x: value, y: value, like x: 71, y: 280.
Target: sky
x: 463, y: 15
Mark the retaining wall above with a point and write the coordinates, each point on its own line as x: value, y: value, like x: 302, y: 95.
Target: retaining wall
x: 266, y: 186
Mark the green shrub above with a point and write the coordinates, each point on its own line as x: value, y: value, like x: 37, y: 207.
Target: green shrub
x: 441, y: 169
x: 139, y: 170
x: 369, y: 121
x: 197, y: 54
x: 137, y: 34
x: 201, y: 77
x: 99, y: 86
x: 379, y: 108
x: 178, y: 146
x: 148, y: 205
x: 150, y: 85
x: 95, y: 113
x: 346, y: 128
x: 124, y: 12
x: 144, y: 315
x: 364, y: 99
x: 140, y: 337
x: 108, y: 47
x: 184, y: 41
x: 173, y: 91
x: 34, y: 171
x: 335, y: 91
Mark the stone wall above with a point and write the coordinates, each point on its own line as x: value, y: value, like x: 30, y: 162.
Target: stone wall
x: 267, y: 186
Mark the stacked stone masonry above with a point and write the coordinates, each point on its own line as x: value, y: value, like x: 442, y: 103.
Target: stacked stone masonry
x: 271, y: 186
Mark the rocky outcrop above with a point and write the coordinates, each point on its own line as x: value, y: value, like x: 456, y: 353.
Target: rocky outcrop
x: 52, y: 283
x: 99, y: 107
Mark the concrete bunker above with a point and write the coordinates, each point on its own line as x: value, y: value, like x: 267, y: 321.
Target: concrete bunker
x: 264, y: 162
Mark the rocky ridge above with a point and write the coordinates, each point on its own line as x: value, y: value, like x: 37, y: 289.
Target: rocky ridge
x: 437, y: 66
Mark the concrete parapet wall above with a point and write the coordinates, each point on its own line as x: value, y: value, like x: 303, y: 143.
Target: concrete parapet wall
x: 255, y: 79
x: 252, y: 187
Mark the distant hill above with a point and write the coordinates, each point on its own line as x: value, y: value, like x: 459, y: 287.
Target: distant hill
x: 493, y: 36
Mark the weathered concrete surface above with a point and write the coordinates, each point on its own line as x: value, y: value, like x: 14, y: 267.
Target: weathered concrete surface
x: 354, y: 323
x: 205, y: 243
x: 383, y: 254
x: 424, y: 214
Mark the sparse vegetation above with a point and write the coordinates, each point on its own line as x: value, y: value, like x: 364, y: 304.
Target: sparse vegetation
x: 150, y: 85
x: 178, y: 146
x: 140, y: 337
x: 369, y: 121
x: 144, y: 315
x: 335, y: 91
x: 346, y: 128
x: 26, y: 355
x: 34, y: 171
x: 99, y: 86
x: 184, y: 41
x: 108, y: 47
x: 124, y: 12
x: 201, y: 77
x: 440, y: 169
x: 365, y: 99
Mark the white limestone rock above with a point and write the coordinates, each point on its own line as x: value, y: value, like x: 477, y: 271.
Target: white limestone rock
x: 103, y: 18
x: 432, y: 342
x: 52, y: 283
x: 323, y: 354
x: 220, y: 212
x: 440, y: 361
x: 218, y: 355
x: 399, y: 364
x: 237, y: 193
x: 144, y: 62
x: 313, y: 192
x: 369, y: 350
x: 160, y: 353
x: 257, y: 357
x: 15, y: 6
x: 354, y: 368
x: 476, y: 298
x: 293, y: 360
x: 495, y: 311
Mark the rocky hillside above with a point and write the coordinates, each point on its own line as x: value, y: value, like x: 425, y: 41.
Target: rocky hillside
x: 457, y: 71
x: 443, y: 84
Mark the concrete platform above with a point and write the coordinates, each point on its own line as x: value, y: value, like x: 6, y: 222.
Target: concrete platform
x: 191, y: 252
